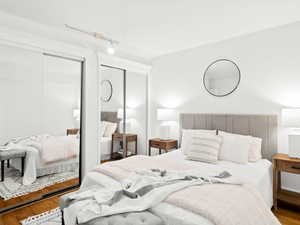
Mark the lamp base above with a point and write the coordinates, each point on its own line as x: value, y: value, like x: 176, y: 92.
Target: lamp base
x: 294, y: 145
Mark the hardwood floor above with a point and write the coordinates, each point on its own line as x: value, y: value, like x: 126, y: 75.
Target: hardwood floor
x: 38, y: 194
x: 14, y: 217
x: 286, y: 214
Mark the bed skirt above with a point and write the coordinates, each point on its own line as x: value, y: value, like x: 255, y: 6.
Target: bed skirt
x: 65, y: 167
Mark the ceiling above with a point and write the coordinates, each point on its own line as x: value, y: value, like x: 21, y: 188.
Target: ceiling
x: 151, y: 28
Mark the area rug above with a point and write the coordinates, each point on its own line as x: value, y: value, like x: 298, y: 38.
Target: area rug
x: 52, y: 217
x: 12, y: 186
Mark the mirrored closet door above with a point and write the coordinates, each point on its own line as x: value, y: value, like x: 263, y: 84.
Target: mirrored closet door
x: 112, y: 99
x: 40, y: 97
x: 123, y: 113
x: 136, y: 109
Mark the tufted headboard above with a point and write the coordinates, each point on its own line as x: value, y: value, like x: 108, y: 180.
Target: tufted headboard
x: 262, y: 126
x: 110, y: 117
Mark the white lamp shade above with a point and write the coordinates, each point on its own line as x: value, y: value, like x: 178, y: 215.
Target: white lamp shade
x: 130, y: 113
x: 76, y: 114
x: 120, y: 113
x: 291, y: 117
x: 166, y: 115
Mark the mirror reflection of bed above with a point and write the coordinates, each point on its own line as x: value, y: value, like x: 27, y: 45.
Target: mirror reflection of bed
x: 110, y: 124
x: 40, y: 132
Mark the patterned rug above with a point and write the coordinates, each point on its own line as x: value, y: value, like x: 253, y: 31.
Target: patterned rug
x: 12, y: 186
x: 52, y: 217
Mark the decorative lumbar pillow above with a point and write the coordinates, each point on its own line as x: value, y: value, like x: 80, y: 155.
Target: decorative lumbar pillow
x: 235, y: 147
x: 110, y: 128
x: 255, y: 150
x: 186, y: 137
x: 204, y: 147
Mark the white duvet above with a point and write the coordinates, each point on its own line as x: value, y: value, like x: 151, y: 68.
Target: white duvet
x: 257, y: 174
x: 105, y: 148
x: 43, y: 150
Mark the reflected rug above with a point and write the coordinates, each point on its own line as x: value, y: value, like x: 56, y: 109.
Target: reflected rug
x: 12, y: 186
x: 52, y: 217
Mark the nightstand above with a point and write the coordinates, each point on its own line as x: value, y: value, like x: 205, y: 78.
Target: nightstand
x: 124, y: 139
x: 162, y: 144
x: 72, y: 131
x: 283, y: 163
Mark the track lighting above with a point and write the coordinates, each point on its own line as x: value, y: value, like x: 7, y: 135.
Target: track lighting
x: 111, y: 43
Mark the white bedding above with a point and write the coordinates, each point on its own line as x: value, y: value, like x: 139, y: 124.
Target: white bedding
x: 258, y: 174
x: 34, y: 162
x: 105, y: 147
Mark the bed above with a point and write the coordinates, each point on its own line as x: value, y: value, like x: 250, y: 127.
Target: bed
x: 106, y: 142
x: 105, y: 148
x: 258, y: 174
x: 47, y: 155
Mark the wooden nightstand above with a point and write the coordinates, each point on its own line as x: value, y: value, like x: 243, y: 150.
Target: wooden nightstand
x: 124, y: 139
x: 162, y: 144
x: 282, y: 162
x: 72, y: 131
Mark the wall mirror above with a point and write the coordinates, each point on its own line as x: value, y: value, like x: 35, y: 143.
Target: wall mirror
x: 221, y: 77
x: 106, y: 90
x: 40, y: 116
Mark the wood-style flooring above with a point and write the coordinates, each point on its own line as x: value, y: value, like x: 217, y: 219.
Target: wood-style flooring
x: 38, y: 194
x: 286, y: 214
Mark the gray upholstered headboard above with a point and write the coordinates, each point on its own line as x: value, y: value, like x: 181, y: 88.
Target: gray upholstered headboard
x: 110, y: 117
x: 262, y: 126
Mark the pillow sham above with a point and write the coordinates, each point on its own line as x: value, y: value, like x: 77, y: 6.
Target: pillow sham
x: 186, y: 137
x: 235, y: 147
x: 109, y: 129
x: 255, y: 149
x: 102, y: 129
x: 204, y: 148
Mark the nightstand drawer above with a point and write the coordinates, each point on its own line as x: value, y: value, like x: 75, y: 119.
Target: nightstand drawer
x: 291, y: 167
x: 155, y: 144
x: 171, y: 145
x: 117, y: 137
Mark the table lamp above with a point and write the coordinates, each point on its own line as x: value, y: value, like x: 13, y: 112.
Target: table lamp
x: 291, y: 119
x: 166, y: 115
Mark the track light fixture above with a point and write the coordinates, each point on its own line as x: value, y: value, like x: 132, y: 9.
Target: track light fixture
x: 111, y: 43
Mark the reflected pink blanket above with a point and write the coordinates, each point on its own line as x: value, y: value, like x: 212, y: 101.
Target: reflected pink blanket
x: 58, y: 148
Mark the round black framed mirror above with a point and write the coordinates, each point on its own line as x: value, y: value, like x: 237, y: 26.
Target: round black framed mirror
x: 106, y: 90
x: 221, y: 77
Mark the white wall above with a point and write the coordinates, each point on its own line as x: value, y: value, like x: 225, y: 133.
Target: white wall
x: 270, y: 76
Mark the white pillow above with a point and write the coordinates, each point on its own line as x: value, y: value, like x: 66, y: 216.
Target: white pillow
x: 186, y: 137
x: 109, y: 129
x: 204, y: 147
x: 235, y: 147
x: 103, y: 128
x: 255, y: 150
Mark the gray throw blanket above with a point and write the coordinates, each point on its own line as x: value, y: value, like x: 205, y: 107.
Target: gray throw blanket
x: 143, y: 189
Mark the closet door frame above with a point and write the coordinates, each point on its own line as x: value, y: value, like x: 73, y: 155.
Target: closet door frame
x: 82, y: 62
